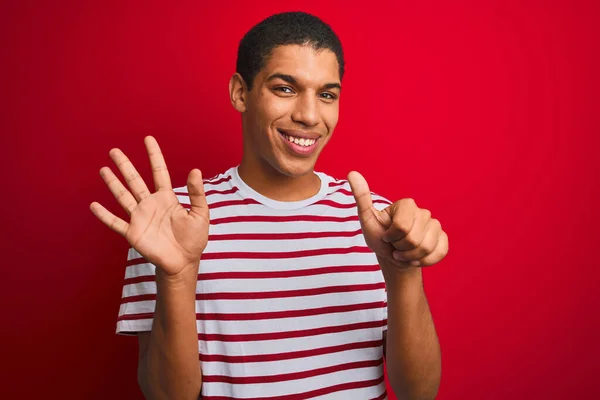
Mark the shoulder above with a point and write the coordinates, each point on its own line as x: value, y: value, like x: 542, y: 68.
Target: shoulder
x: 339, y: 188
x: 220, y: 184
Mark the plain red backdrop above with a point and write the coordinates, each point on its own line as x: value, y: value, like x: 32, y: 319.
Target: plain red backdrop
x: 485, y: 112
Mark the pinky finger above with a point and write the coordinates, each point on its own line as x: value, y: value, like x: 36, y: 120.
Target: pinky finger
x: 112, y: 221
x: 440, y: 251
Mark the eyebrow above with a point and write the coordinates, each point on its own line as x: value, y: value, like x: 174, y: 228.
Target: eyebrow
x: 293, y: 81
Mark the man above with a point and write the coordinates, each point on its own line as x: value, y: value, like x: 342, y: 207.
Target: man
x: 287, y: 296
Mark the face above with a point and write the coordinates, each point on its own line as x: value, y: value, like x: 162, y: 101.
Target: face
x: 292, y: 109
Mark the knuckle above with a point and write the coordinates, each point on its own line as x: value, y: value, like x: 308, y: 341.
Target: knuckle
x: 122, y: 161
x: 428, y: 247
x: 159, y: 168
x: 401, y: 226
x: 445, y: 244
x: 431, y: 258
x: 412, y: 240
x: 426, y: 262
x: 408, y: 201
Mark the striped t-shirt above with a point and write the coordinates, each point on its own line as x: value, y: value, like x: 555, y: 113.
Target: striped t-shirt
x: 290, y: 302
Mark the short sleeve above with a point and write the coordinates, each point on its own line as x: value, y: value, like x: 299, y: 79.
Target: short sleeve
x: 380, y: 202
x: 138, y: 299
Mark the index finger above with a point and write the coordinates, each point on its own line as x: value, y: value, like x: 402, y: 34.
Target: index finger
x: 403, y: 214
x: 160, y: 173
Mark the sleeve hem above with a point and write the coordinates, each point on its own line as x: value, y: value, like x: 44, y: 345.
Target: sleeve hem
x: 132, y: 327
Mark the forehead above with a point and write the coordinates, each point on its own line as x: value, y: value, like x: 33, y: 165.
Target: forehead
x: 303, y: 63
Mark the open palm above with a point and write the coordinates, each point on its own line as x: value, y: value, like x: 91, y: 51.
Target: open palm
x: 160, y: 229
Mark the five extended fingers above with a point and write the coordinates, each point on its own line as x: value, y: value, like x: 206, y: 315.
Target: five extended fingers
x: 138, y: 190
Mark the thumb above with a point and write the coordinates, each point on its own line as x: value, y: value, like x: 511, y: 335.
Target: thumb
x: 196, y: 192
x: 361, y: 192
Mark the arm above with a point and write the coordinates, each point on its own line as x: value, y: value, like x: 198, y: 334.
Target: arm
x: 411, y: 344
x: 171, y: 238
x: 168, y: 366
x: 405, y: 238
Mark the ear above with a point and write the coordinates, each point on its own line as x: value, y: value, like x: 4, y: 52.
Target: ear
x: 238, y: 92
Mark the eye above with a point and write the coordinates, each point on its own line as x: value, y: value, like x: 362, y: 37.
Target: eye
x: 328, y: 96
x: 284, y: 89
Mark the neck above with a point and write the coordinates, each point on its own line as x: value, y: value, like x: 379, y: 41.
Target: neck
x: 269, y: 182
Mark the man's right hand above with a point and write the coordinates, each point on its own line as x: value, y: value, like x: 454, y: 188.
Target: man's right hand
x: 161, y: 229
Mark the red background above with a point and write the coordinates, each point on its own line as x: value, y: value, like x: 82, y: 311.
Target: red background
x: 485, y: 112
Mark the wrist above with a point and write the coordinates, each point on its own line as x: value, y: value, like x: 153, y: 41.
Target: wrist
x: 396, y: 276
x: 186, y: 278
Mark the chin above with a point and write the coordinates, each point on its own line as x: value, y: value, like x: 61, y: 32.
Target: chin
x: 295, y: 168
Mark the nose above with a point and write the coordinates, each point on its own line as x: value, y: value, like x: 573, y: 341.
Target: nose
x: 306, y: 110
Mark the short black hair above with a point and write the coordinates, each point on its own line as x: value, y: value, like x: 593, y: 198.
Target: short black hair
x: 284, y: 29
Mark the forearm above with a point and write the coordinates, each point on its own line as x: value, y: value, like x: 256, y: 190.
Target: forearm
x: 171, y: 367
x: 413, y: 352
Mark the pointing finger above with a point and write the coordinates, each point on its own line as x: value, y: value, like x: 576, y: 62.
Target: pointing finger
x: 415, y: 235
x: 403, y: 213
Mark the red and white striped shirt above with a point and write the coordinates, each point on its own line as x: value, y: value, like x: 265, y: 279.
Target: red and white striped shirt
x: 290, y: 302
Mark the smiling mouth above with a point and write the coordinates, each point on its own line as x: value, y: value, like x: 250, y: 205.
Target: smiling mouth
x: 304, y: 142
x: 300, y: 146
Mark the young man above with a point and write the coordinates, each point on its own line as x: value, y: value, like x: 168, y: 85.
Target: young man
x: 286, y: 298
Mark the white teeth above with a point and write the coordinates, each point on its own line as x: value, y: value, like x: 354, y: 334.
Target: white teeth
x: 300, y: 141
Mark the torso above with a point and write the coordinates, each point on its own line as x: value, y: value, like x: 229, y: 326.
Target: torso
x: 291, y: 302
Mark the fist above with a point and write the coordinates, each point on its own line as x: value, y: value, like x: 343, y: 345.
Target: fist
x: 402, y: 234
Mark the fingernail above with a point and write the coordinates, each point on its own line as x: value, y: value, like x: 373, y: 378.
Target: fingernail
x: 398, y: 256
x: 415, y: 263
x: 385, y: 239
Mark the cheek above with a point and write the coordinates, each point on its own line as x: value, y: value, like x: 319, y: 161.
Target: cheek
x: 330, y: 117
x: 277, y: 109
x: 270, y: 109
